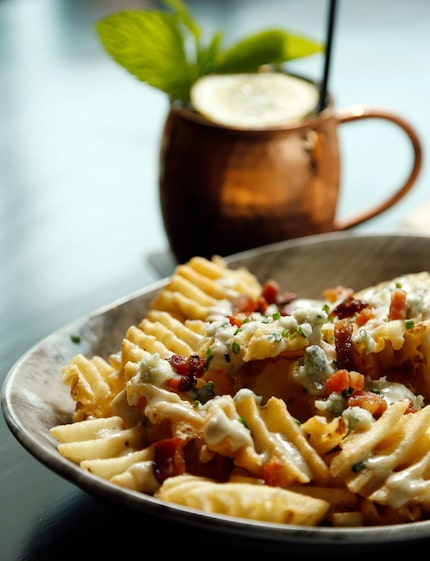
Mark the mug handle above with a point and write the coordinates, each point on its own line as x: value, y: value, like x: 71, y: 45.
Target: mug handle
x: 358, y: 112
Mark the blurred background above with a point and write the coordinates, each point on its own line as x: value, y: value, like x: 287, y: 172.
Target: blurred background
x: 79, y: 137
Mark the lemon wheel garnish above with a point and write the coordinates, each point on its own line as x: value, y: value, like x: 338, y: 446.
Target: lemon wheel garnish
x: 256, y: 100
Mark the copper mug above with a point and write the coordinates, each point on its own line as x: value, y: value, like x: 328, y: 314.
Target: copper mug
x: 224, y: 190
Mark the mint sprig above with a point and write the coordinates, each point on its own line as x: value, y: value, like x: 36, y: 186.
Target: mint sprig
x: 165, y: 49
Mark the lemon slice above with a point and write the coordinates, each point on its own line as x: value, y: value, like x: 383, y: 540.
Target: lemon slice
x: 256, y: 100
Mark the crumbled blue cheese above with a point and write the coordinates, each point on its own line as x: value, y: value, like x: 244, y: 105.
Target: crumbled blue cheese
x: 334, y: 405
x: 358, y: 419
x: 154, y: 369
x: 315, y: 370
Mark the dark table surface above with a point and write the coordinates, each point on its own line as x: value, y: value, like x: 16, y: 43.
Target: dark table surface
x: 80, y: 224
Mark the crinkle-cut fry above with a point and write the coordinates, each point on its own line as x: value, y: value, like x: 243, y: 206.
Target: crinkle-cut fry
x: 325, y: 435
x: 196, y: 293
x: 162, y: 405
x: 341, y: 500
x: 160, y: 333
x: 171, y: 340
x: 276, y: 434
x: 398, y: 350
x: 378, y: 515
x: 225, y: 433
x: 186, y: 332
x: 217, y: 280
x: 197, y: 286
x: 139, y: 477
x: 201, y: 279
x: 132, y: 348
x: 377, y: 462
x: 358, y: 446
x: 104, y: 445
x: 244, y: 500
x: 93, y: 384
x: 108, y: 467
x: 231, y: 281
x: 346, y: 519
x: 86, y: 430
x: 279, y: 421
x: 180, y: 306
x: 416, y: 354
x: 136, y: 341
x: 408, y: 355
x: 239, y: 280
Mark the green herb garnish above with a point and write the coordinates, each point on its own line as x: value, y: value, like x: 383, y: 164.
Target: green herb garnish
x: 166, y: 49
x: 358, y: 467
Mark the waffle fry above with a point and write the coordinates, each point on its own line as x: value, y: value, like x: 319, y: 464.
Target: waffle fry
x: 324, y: 435
x: 97, y: 438
x: 199, y: 287
x: 158, y: 333
x: 265, y: 431
x: 93, y: 385
x: 255, y: 502
x: 378, y: 463
x: 277, y: 436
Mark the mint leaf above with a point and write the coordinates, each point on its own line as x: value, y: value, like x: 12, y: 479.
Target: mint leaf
x: 165, y: 50
x: 149, y: 45
x: 185, y: 17
x: 272, y: 47
x: 298, y: 46
x: 208, y: 57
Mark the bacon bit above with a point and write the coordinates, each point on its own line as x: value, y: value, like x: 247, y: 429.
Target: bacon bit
x: 235, y: 321
x: 243, y: 304
x: 342, y: 380
x: 215, y: 467
x: 270, y: 294
x: 261, y: 305
x: 270, y: 291
x: 274, y: 473
x: 410, y: 408
x: 364, y: 316
x: 348, y: 308
x: 186, y: 370
x: 185, y: 365
x: 370, y: 401
x: 337, y: 293
x: 175, y: 456
x: 181, y: 383
x: 168, y: 458
x: 397, y: 305
x: 286, y: 298
x: 343, y: 344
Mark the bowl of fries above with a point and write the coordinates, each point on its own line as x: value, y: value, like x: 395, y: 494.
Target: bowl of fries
x: 280, y: 395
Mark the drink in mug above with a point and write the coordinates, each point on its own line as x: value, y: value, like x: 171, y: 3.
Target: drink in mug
x: 233, y: 177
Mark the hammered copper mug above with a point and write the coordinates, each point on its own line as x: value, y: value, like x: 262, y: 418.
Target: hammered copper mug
x: 224, y: 190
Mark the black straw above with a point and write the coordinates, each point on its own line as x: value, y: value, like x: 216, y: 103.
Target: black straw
x: 329, y: 43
